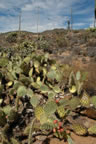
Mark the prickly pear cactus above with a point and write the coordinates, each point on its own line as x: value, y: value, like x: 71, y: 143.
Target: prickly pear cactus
x: 85, y: 100
x: 39, y: 111
x: 43, y: 119
x: 72, y: 89
x: 13, y: 115
x: 44, y: 88
x: 78, y: 75
x: 34, y: 100
x: 50, y: 107
x: 92, y: 130
x: 51, y: 95
x: 47, y: 126
x: 93, y: 101
x: 9, y: 84
x: 14, y: 141
x: 21, y: 91
x: 56, y: 89
x: 61, y: 111
x: 75, y: 83
x: 79, y: 129
x: 2, y: 118
x: 74, y: 102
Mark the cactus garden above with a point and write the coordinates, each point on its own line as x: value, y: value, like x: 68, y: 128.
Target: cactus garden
x: 41, y: 98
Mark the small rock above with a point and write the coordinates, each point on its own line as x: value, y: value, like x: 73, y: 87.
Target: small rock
x: 41, y: 138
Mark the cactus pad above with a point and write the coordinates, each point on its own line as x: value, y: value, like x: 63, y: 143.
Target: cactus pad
x: 85, y: 100
x: 34, y: 100
x: 79, y: 129
x: 72, y: 89
x: 2, y: 118
x: 93, y: 101
x: 50, y: 107
x: 47, y: 126
x: 39, y: 112
x: 73, y: 103
x: 61, y: 111
x: 92, y: 130
x: 21, y: 91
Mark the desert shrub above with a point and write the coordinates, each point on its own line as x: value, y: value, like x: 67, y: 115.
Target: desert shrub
x: 43, y: 45
x: 92, y: 35
x: 61, y: 41
x: 92, y: 29
x: 76, y: 31
x: 92, y: 43
x: 12, y: 37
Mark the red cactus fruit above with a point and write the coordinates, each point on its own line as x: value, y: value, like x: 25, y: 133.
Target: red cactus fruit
x: 59, y: 124
x: 54, y: 130
x: 55, y: 121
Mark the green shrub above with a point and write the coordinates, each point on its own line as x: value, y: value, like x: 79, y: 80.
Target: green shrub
x: 61, y: 41
x: 12, y: 37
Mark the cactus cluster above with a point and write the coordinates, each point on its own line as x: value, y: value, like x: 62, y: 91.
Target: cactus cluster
x: 31, y: 87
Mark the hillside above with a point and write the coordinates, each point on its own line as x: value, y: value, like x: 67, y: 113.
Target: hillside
x: 76, y: 48
x: 48, y: 87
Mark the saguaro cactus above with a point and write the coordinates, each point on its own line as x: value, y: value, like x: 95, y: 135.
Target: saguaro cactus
x: 68, y: 22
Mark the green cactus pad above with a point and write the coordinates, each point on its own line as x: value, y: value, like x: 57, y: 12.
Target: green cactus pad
x: 51, y: 74
x: 36, y: 64
x: 44, y: 89
x: 35, y: 85
x: 51, y: 95
x: 7, y: 109
x: 56, y: 89
x: 73, y: 103
x: 72, y: 89
x: 31, y: 72
x: 79, y: 129
x: 3, y: 62
x: 13, y: 115
x: 79, y: 87
x: 92, y: 130
x: 14, y: 141
x: 50, y: 107
x: 34, y: 100
x: 43, y: 119
x: 47, y: 126
x: 21, y: 91
x: 29, y: 92
x: 78, y: 75
x: 61, y: 111
x: 85, y: 100
x: 39, y: 112
x: 2, y: 118
x: 93, y: 101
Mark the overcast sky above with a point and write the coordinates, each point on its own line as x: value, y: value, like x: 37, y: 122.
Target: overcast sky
x: 52, y: 14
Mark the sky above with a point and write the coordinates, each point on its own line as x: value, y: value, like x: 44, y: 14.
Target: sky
x: 47, y: 14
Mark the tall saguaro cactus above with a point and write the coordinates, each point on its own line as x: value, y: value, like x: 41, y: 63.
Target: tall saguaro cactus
x: 71, y: 19
x: 19, y: 22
